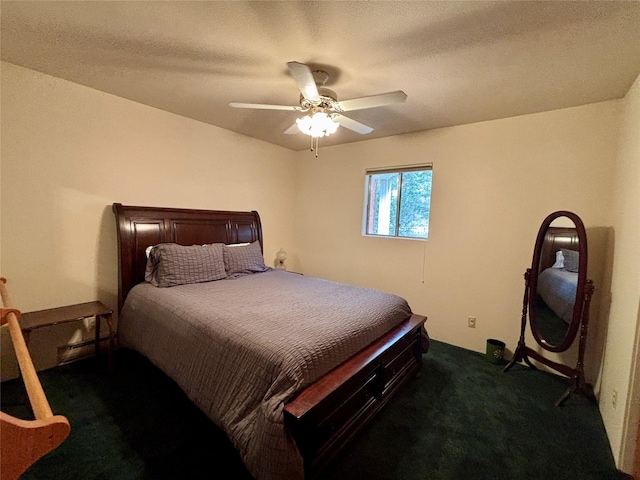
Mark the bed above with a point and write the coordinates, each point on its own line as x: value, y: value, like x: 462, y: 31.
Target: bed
x: 293, y: 370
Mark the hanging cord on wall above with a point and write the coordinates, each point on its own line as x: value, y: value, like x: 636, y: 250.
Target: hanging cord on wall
x: 424, y: 259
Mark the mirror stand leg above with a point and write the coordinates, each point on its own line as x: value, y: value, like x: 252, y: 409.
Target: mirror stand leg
x: 509, y: 365
x: 521, y: 349
x: 578, y: 383
x: 519, y: 355
x: 568, y: 392
x: 528, y: 362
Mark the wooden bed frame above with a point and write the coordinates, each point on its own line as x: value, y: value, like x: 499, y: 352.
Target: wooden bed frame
x: 324, y: 417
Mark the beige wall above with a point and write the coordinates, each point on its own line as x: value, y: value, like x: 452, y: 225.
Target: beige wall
x: 621, y: 364
x: 68, y: 152
x: 493, y: 185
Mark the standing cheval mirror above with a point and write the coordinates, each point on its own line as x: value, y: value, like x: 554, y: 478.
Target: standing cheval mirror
x: 557, y: 296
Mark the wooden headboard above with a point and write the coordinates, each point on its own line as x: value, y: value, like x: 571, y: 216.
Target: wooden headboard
x: 555, y: 239
x: 140, y: 227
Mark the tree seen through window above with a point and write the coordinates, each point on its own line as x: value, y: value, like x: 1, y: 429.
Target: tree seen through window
x: 398, y: 202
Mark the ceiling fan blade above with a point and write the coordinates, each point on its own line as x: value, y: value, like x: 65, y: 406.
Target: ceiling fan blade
x: 373, y: 101
x: 304, y: 79
x: 263, y: 106
x: 357, y: 127
x: 293, y: 129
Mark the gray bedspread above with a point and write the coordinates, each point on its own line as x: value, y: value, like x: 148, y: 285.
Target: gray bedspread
x: 242, y: 348
x: 557, y: 288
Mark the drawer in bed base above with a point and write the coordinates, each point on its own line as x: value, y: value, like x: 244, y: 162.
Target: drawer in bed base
x: 397, y: 368
x: 342, y: 420
x: 323, y: 428
x: 369, y: 405
x: 324, y: 422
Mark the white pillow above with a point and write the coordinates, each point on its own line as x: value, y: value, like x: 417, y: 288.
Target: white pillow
x: 559, y: 260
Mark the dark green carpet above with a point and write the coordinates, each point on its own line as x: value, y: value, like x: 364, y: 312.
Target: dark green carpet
x: 461, y: 419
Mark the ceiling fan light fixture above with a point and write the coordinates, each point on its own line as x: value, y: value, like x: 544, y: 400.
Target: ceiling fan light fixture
x: 320, y: 124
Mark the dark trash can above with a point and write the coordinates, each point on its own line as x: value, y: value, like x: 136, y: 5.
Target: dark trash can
x: 495, y: 350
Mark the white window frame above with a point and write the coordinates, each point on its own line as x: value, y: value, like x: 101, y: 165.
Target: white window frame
x: 367, y: 199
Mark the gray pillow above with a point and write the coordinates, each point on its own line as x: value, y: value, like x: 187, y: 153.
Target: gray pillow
x: 242, y: 260
x: 571, y: 260
x: 170, y: 264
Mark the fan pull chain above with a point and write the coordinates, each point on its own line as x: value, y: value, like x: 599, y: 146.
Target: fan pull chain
x: 315, y: 145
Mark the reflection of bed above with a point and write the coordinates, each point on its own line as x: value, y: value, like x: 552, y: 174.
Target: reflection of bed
x: 272, y: 366
x: 557, y: 288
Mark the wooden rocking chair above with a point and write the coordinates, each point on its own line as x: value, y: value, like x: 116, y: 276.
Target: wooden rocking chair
x: 23, y: 442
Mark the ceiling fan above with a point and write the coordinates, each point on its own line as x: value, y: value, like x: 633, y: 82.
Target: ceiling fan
x: 321, y: 105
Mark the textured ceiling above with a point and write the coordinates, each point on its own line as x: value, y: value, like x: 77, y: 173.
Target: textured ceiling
x: 458, y: 61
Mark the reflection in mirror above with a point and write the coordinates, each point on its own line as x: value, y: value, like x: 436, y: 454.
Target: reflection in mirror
x: 555, y: 295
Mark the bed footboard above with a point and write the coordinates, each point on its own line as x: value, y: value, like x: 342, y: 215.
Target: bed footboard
x: 325, y: 416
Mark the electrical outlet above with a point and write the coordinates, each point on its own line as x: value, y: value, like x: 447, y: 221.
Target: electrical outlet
x: 614, y: 398
x: 471, y: 322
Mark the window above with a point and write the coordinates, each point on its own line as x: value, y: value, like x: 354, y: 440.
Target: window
x: 398, y: 202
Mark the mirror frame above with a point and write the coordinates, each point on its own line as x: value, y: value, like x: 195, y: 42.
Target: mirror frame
x: 580, y: 289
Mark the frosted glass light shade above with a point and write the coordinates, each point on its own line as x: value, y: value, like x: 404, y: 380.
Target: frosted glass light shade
x: 317, y: 125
